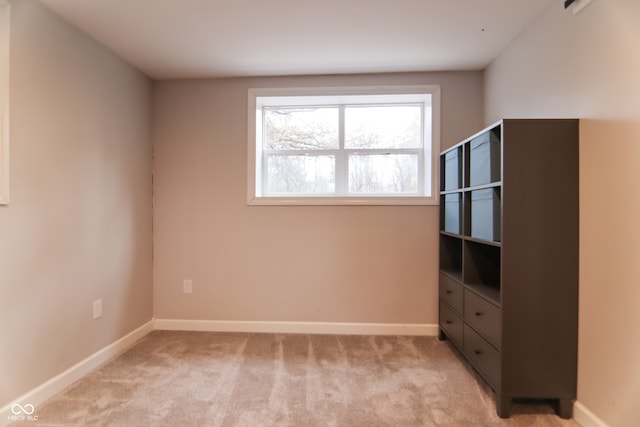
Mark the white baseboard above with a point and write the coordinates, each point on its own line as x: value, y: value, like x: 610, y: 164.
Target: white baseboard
x: 58, y: 383
x: 583, y: 416
x: 423, y: 329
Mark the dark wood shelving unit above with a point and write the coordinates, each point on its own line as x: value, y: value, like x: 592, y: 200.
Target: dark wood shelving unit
x: 509, y: 258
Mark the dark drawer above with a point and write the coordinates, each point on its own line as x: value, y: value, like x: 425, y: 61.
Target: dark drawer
x: 484, y: 316
x: 482, y: 355
x: 451, y: 292
x: 451, y: 323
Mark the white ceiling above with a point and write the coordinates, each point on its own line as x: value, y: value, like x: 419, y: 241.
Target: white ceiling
x: 214, y: 38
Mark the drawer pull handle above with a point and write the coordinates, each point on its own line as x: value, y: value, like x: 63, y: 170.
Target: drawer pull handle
x: 448, y: 322
x: 478, y: 352
x: 448, y: 292
x: 479, y: 313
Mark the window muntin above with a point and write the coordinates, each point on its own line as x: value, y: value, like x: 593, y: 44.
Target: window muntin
x: 332, y: 146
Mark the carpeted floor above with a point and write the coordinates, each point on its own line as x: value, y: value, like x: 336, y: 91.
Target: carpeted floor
x: 253, y: 380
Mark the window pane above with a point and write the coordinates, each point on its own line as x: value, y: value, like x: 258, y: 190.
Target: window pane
x: 300, y: 174
x: 383, y: 173
x: 301, y: 128
x: 395, y: 126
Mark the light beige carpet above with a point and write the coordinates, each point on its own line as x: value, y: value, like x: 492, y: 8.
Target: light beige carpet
x: 253, y: 380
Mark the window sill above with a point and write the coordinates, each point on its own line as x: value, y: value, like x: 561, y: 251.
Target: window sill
x: 343, y: 201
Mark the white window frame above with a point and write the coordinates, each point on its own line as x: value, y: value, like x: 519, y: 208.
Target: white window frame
x: 260, y: 97
x: 5, y: 19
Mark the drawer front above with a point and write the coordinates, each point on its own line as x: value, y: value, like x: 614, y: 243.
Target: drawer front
x: 451, y: 323
x: 482, y: 355
x: 484, y: 316
x: 451, y: 292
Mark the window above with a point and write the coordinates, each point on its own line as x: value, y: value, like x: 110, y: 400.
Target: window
x: 5, y: 15
x: 362, y: 145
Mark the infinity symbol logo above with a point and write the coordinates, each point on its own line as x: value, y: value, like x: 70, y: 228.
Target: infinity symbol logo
x: 17, y: 409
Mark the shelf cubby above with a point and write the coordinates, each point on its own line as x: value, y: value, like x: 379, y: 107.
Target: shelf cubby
x: 485, y: 158
x: 451, y: 170
x: 451, y: 256
x: 485, y: 206
x: 482, y: 269
x: 451, y: 213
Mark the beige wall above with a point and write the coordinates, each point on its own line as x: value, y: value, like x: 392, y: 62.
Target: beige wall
x: 588, y: 66
x: 297, y: 263
x: 78, y: 227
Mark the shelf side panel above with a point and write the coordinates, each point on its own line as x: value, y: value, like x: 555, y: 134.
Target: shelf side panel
x: 540, y: 257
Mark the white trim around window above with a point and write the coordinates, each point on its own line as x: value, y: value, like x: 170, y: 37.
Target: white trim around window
x: 425, y: 191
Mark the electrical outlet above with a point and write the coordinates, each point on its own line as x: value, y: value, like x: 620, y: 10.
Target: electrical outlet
x: 187, y: 286
x: 97, y: 309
